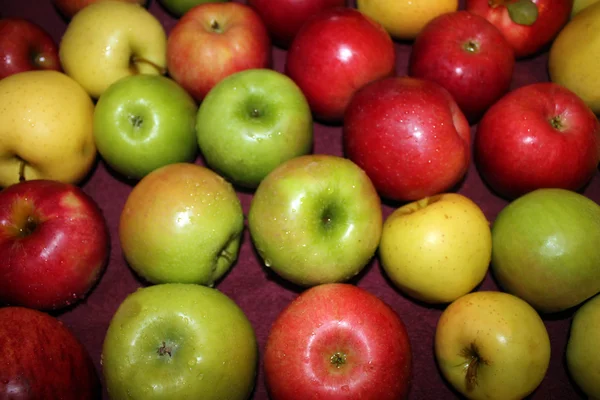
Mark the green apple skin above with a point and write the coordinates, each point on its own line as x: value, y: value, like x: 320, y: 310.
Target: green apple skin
x: 545, y: 249
x: 251, y: 122
x: 179, y: 341
x: 582, y: 357
x: 180, y: 7
x: 143, y: 122
x: 181, y: 223
x: 316, y: 219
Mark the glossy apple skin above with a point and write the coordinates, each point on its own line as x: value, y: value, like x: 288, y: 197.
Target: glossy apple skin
x: 214, y: 40
x: 284, y: 18
x: 344, y: 321
x: 68, y: 8
x: 336, y: 52
x: 409, y: 136
x: 468, y: 56
x: 525, y: 40
x: 42, y: 359
x: 25, y: 46
x: 54, y: 244
x: 518, y: 149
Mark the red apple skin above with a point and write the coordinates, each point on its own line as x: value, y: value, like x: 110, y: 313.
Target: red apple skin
x: 409, y: 136
x: 341, y: 319
x: 26, y: 46
x: 214, y: 40
x: 68, y: 8
x: 42, y: 359
x: 284, y: 18
x: 54, y: 243
x: 468, y: 56
x: 525, y: 40
x: 519, y: 149
x: 335, y: 53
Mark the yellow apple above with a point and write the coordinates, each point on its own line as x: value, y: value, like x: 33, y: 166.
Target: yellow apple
x: 109, y: 40
x: 492, y: 345
x: 46, y: 121
x: 579, y: 5
x: 436, y: 249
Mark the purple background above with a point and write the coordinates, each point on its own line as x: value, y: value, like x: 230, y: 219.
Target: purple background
x: 260, y: 294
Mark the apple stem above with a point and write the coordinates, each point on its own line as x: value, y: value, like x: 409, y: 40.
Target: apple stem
x: 164, y: 349
x: 215, y: 26
x: 473, y: 363
x: 136, y: 60
x: 22, y: 170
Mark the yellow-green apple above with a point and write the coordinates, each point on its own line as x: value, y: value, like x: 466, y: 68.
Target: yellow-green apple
x: 409, y: 136
x: 26, y: 46
x: 43, y: 359
x: 580, y: 5
x: 181, y: 223
x: 45, y: 128
x: 336, y: 52
x: 338, y: 341
x: 545, y: 248
x: 109, y: 40
x: 144, y: 122
x: 492, y: 345
x: 552, y: 141
x: 468, y: 56
x: 54, y: 244
x: 583, y: 362
x: 316, y: 219
x: 68, y: 8
x: 179, y: 7
x: 179, y: 341
x: 251, y: 122
x: 215, y: 40
x: 436, y: 249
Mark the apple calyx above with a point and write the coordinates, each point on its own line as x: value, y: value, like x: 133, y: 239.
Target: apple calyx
x: 471, y: 46
x: 164, y: 349
x: 338, y: 359
x: 40, y: 60
x: 522, y: 12
x: 557, y: 122
x: 474, y: 361
x: 215, y: 26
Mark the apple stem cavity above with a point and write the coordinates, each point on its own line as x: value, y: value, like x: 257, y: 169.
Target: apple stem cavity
x: 22, y: 170
x: 522, y: 12
x: 136, y: 121
x: 474, y: 361
x: 28, y: 227
x: 164, y: 349
x: 338, y: 359
x: 557, y: 122
x: 215, y: 26
x: 139, y: 60
x: 471, y: 46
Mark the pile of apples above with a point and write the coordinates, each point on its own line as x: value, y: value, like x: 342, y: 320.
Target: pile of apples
x: 214, y: 139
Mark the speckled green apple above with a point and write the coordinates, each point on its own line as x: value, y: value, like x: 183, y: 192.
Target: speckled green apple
x: 180, y: 7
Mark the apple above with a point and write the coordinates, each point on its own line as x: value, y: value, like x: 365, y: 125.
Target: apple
x: 316, y: 219
x: 144, y: 122
x: 336, y: 52
x: 214, y: 40
x: 179, y: 7
x: 436, y: 249
x: 545, y: 248
x: 42, y: 359
x: 251, y: 122
x: 68, y: 8
x: 45, y: 128
x: 409, y: 136
x: 181, y: 223
x: 284, y: 18
x: 179, y: 341
x: 26, y: 46
x: 136, y: 39
x: 492, y: 345
x: 468, y: 56
x: 539, y: 135
x: 54, y: 243
x: 528, y: 25
x: 338, y: 341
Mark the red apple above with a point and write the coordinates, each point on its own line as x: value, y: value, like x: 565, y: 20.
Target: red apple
x: 214, y: 40
x: 337, y: 341
x: 68, y: 8
x: 42, y: 359
x: 409, y: 136
x: 284, y: 18
x: 468, y: 56
x: 25, y: 46
x: 54, y: 243
x: 528, y: 25
x: 538, y: 136
x: 336, y: 52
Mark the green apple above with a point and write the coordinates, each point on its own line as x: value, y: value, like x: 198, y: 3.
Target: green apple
x: 316, y: 219
x: 179, y: 341
x: 583, y: 359
x: 180, y: 7
x: 181, y: 223
x: 545, y: 248
x: 251, y: 122
x: 109, y: 40
x: 492, y: 345
x: 436, y: 249
x: 143, y: 122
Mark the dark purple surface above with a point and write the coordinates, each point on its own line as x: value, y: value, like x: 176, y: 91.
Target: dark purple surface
x: 255, y: 290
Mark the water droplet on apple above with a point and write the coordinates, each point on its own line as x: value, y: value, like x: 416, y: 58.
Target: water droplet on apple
x: 267, y: 263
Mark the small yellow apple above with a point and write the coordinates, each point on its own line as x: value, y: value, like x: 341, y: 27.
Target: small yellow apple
x: 46, y: 121
x: 436, y: 249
